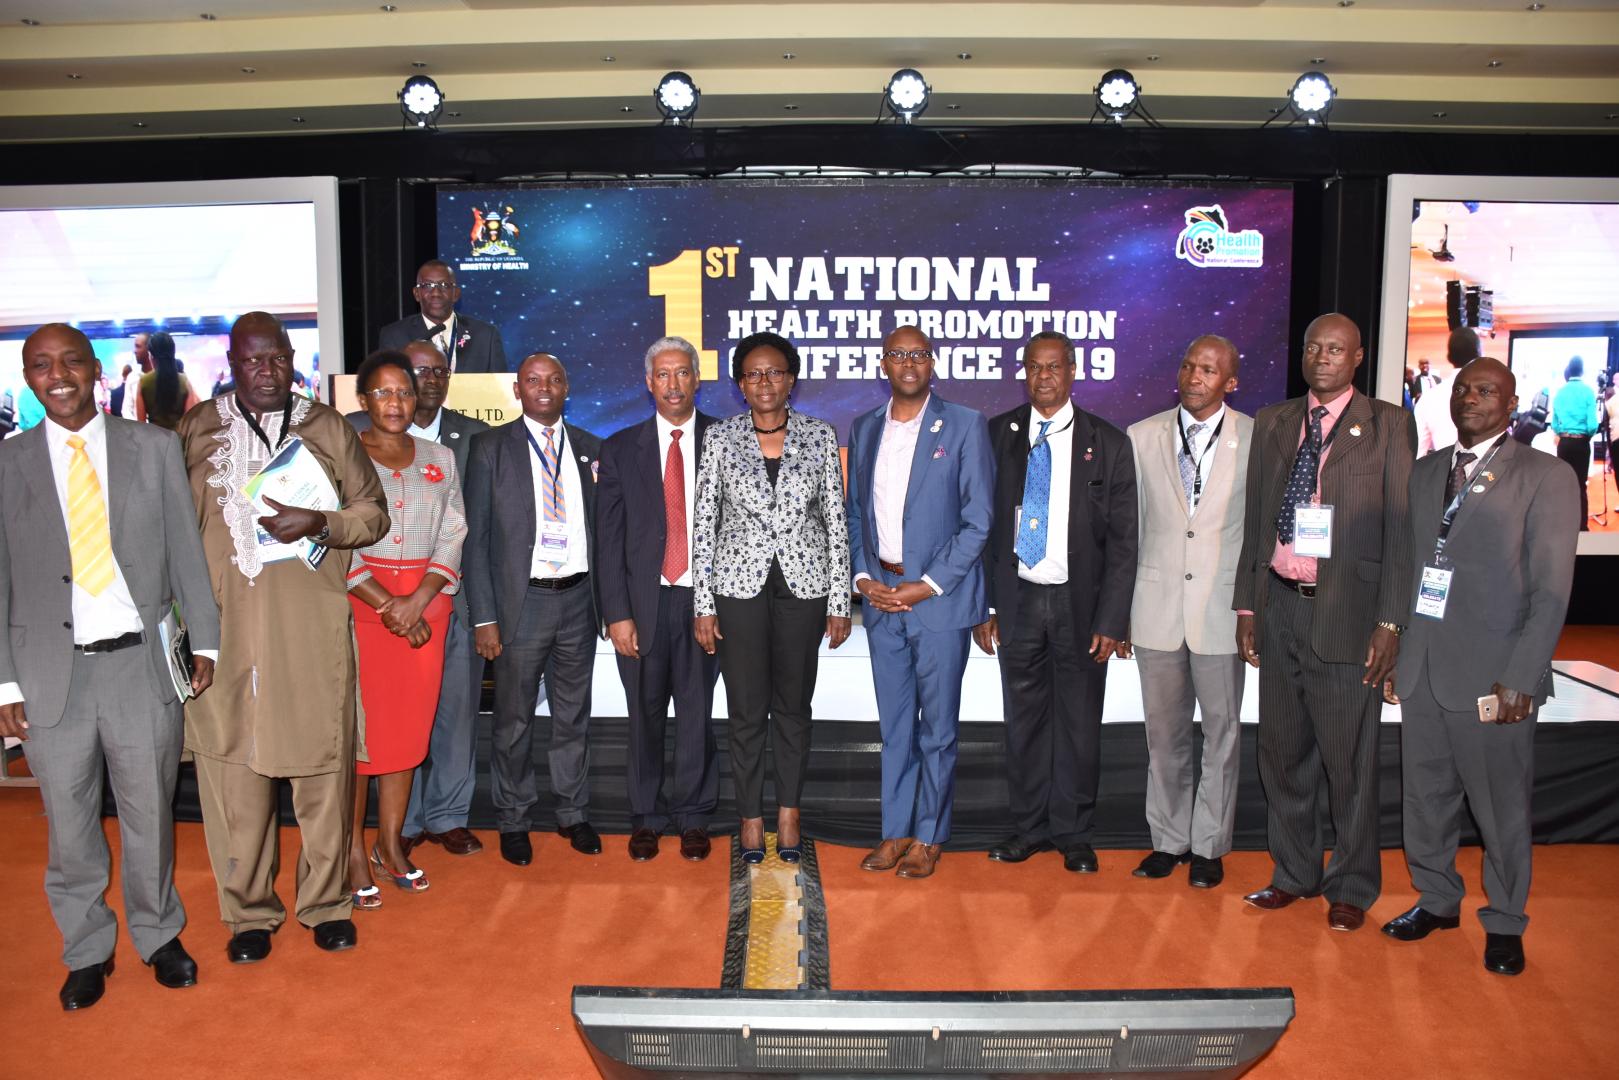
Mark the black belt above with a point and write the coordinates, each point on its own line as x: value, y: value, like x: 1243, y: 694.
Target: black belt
x: 557, y: 584
x: 112, y: 644
x: 1305, y: 589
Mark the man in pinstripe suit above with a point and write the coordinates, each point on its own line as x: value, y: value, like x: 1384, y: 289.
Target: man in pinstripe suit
x: 1323, y: 602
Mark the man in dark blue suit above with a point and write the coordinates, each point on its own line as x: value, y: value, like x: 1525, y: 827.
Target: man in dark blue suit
x: 921, y: 482
x: 643, y: 538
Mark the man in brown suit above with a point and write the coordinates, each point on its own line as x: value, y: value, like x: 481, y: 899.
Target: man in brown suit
x: 1323, y: 590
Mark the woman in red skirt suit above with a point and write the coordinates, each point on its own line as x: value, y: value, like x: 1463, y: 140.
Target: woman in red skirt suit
x: 400, y: 588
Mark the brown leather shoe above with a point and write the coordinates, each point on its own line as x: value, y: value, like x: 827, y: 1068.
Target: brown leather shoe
x: 643, y: 845
x: 1270, y: 898
x: 920, y: 861
x: 456, y: 841
x: 409, y: 843
x: 694, y: 844
x: 886, y: 855
x: 1342, y: 916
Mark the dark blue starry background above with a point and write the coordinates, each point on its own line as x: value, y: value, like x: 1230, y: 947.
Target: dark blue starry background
x: 1101, y: 246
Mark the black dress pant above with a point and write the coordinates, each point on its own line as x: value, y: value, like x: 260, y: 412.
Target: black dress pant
x: 1576, y: 450
x: 768, y: 657
x: 676, y: 667
x: 1052, y: 691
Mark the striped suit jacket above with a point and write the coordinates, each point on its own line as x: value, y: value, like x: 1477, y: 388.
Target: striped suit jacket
x: 1365, y: 478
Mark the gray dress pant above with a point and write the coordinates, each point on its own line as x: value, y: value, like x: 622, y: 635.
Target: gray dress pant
x: 555, y: 637
x: 111, y: 718
x: 1186, y: 814
x: 1445, y: 755
x: 441, y: 794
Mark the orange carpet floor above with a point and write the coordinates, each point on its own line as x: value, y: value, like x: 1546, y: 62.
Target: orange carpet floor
x: 471, y: 979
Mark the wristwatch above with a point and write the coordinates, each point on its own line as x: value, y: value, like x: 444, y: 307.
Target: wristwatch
x: 1392, y: 628
x: 325, y: 534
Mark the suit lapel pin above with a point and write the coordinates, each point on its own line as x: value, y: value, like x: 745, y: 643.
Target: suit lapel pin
x: 1014, y: 425
x: 1354, y: 429
x: 455, y: 434
x: 1489, y: 477
x: 1087, y: 453
x: 1478, y: 489
x: 937, y: 424
x: 1231, y: 444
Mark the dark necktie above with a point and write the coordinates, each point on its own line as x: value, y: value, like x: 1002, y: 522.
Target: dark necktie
x: 1301, y: 481
x: 674, y: 511
x: 1458, y: 475
x: 1188, y: 464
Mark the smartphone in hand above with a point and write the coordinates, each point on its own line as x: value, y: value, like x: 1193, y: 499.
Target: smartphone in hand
x: 1489, y: 709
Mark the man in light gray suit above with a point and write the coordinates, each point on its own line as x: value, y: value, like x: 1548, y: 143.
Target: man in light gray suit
x: 1191, y: 483
x: 1494, y: 530
x: 98, y: 537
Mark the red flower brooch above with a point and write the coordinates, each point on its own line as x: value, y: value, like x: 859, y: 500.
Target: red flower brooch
x: 433, y: 473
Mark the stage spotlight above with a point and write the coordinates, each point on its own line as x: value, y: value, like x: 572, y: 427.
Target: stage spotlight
x: 421, y: 102
x: 906, y: 94
x: 677, y: 96
x: 1311, y: 97
x: 1117, y: 95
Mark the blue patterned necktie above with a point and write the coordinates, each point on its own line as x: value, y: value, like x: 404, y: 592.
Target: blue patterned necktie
x: 1301, y: 481
x: 1188, y: 464
x: 1031, y: 533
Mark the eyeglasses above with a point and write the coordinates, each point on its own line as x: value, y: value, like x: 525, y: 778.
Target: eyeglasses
x: 774, y: 375
x: 435, y: 286
x: 432, y: 372
x: 388, y: 393
x: 915, y: 356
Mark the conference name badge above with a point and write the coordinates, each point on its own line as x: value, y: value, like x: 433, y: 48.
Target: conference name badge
x: 1312, y: 531
x: 1434, y: 591
x: 554, y: 540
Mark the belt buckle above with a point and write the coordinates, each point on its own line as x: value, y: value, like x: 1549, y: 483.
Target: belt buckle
x: 1307, y: 590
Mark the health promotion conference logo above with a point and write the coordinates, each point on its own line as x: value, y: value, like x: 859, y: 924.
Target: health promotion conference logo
x: 1206, y: 242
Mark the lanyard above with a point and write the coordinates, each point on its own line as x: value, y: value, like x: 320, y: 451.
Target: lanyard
x: 562, y: 440
x: 286, y: 424
x: 1197, y: 463
x: 1048, y: 436
x: 1460, y: 497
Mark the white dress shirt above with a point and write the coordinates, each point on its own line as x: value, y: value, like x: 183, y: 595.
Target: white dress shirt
x: 1479, y: 452
x: 132, y: 393
x: 1203, y: 451
x: 1053, y: 569
x: 442, y: 340
x: 890, y: 483
x: 431, y: 431
x: 113, y: 613
x: 573, y: 499
x: 688, y: 459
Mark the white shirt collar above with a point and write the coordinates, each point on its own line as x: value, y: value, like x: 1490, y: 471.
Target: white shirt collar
x: 540, y: 429
x: 1187, y: 420
x: 1062, y: 419
x: 687, y: 429
x: 430, y: 431
x: 888, y: 412
x: 1479, y: 450
x: 93, y: 433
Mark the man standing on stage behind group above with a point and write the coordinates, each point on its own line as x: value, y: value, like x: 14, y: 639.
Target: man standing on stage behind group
x: 97, y: 540
x: 919, y: 504
x: 283, y: 704
x: 643, y: 528
x: 1061, y: 567
x: 1493, y: 540
x: 468, y: 344
x: 1321, y: 598
x: 1191, y: 479
x: 531, y: 547
x: 441, y: 794
x: 1574, y: 420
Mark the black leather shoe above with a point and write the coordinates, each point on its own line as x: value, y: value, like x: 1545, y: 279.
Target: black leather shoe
x: 172, y: 966
x: 1503, y: 954
x: 1416, y: 924
x: 583, y: 838
x: 1018, y: 848
x: 1205, y: 873
x: 1081, y: 859
x: 248, y: 947
x: 516, y: 849
x: 84, y: 986
x: 335, y: 936
x: 643, y: 845
x: 1160, y: 864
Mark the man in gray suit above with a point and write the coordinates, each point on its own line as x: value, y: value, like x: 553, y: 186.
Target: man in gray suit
x: 98, y: 538
x: 1493, y: 527
x: 468, y: 344
x: 1191, y: 485
x: 532, y: 597
x: 1322, y: 593
x: 441, y: 794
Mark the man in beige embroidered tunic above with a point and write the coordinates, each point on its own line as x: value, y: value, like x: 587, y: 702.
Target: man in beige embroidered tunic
x: 284, y: 690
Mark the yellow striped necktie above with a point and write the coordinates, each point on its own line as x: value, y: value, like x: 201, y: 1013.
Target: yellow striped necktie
x: 89, y: 538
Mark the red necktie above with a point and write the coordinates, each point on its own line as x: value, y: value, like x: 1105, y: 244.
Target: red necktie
x: 674, y: 512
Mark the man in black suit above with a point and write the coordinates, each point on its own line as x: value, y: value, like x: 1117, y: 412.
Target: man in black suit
x: 1061, y: 569
x: 533, y: 603
x: 441, y: 794
x: 643, y: 521
x: 1322, y: 594
x: 468, y: 344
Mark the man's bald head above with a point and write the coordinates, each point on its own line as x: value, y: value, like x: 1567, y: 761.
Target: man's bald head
x: 1332, y: 353
x: 542, y: 387
x: 436, y: 291
x: 1483, y: 398
x: 432, y: 377
x: 63, y: 330
x: 59, y: 365
x: 260, y: 357
x: 259, y: 322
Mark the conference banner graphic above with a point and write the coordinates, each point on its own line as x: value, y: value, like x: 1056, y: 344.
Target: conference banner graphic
x: 1131, y: 273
